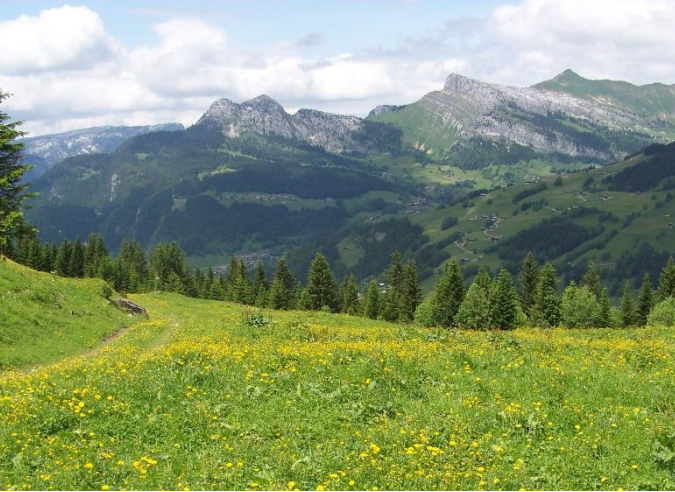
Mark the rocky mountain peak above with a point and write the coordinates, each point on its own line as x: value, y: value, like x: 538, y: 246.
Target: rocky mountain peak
x: 459, y: 83
x: 264, y: 103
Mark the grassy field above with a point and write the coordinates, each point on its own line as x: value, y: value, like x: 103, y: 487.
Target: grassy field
x: 208, y: 395
x: 44, y: 318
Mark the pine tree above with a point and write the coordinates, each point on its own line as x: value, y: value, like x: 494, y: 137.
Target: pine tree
x: 279, y: 297
x: 475, y: 312
x: 546, y: 310
x: 76, y: 264
x: 48, y: 254
x: 321, y: 286
x: 63, y: 258
x: 239, y: 283
x: 667, y: 281
x: 260, y: 286
x: 391, y: 301
x: 33, y: 259
x: 372, y: 301
x: 411, y: 292
x: 130, y: 269
x: 529, y: 278
x: 303, y: 301
x: 604, y: 318
x: 627, y: 312
x: 645, y: 301
x: 591, y: 280
x: 349, y: 296
x: 504, y: 302
x: 448, y: 296
x: 12, y: 190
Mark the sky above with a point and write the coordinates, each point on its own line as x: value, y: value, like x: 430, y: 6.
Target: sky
x: 104, y: 62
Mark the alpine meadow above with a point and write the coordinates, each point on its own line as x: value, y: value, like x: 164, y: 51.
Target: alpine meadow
x: 337, y: 246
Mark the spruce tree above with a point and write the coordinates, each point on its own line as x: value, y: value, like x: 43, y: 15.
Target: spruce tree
x: 645, y: 301
x: 321, y: 286
x: 411, y: 292
x: 303, y: 301
x: 76, y: 264
x: 448, y: 296
x: 240, y: 288
x: 591, y: 280
x: 12, y: 190
x: 529, y: 278
x: 546, y: 309
x: 372, y: 301
x: 63, y: 258
x: 279, y: 297
x: 627, y: 312
x: 504, y: 301
x: 260, y: 286
x: 475, y: 312
x: 284, y: 291
x: 349, y: 296
x: 667, y: 281
x: 391, y: 301
x: 604, y: 318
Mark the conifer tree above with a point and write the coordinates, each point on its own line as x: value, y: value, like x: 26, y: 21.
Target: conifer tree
x: 504, y: 301
x: 475, y: 312
x: 260, y: 286
x: 279, y: 297
x: 63, y: 258
x: 546, y: 309
x: 12, y: 190
x: 591, y: 280
x: 667, y: 281
x: 349, y: 296
x: 411, y: 292
x: 76, y: 264
x: 282, y: 289
x: 529, y: 278
x: 627, y: 312
x: 372, y: 301
x: 448, y: 296
x: 240, y: 285
x: 216, y: 291
x: 130, y: 269
x: 95, y: 256
x: 303, y: 301
x: 321, y: 286
x: 391, y: 301
x: 604, y: 319
x: 33, y: 258
x: 645, y: 301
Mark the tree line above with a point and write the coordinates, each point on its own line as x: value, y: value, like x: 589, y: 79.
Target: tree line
x: 500, y: 302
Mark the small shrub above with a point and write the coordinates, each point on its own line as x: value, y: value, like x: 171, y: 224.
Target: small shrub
x: 255, y: 319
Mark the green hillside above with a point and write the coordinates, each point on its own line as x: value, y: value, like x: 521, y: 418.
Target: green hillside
x: 44, y: 318
x: 655, y: 101
x: 622, y: 216
x: 215, y: 396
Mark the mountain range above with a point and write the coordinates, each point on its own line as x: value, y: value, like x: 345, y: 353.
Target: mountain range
x: 253, y: 179
x: 46, y: 150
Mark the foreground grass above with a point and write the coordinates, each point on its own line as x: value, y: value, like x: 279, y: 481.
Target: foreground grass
x: 44, y: 318
x: 194, y: 398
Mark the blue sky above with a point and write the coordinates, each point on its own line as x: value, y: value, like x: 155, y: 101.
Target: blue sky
x: 88, y: 63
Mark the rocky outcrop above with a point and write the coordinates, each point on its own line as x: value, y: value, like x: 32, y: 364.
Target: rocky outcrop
x: 546, y: 121
x: 263, y: 115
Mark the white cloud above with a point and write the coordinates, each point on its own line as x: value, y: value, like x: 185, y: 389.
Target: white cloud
x: 601, y: 39
x: 58, y: 39
x: 66, y: 71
